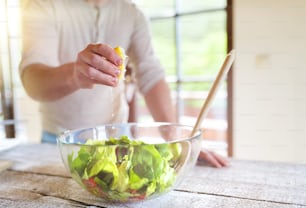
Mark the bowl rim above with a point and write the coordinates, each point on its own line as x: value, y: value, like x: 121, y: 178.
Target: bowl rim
x: 61, y: 137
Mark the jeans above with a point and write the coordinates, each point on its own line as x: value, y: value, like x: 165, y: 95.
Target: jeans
x: 48, y: 137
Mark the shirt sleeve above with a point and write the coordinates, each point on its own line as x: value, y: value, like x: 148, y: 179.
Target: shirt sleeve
x: 39, y: 36
x: 147, y: 66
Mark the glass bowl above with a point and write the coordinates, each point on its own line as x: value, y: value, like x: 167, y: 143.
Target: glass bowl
x: 131, y: 161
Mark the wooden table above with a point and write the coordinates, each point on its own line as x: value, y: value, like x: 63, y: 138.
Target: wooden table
x: 38, y: 178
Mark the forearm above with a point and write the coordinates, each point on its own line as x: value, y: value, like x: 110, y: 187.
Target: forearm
x: 96, y: 64
x: 44, y: 83
x: 158, y: 100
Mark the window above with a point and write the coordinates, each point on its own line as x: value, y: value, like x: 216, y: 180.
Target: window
x: 9, y: 59
x: 191, y: 40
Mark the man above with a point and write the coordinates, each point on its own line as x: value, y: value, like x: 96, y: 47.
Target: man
x: 66, y: 67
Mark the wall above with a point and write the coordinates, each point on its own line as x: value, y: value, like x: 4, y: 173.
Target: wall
x: 270, y: 80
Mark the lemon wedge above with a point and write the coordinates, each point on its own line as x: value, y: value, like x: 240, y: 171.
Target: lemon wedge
x: 120, y: 51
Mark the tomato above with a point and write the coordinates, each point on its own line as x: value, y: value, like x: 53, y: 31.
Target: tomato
x: 141, y: 197
x: 90, y: 182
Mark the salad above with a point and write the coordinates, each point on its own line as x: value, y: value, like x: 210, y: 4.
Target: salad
x: 121, y: 169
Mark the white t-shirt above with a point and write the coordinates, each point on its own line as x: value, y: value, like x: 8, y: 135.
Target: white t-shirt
x: 55, y: 31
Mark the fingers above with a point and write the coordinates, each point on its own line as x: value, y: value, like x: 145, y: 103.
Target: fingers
x: 222, y: 160
x: 208, y: 157
x: 107, y: 52
x: 99, y: 63
x: 86, y: 74
x: 213, y: 159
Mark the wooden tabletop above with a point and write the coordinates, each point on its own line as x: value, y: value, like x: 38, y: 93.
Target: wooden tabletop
x: 37, y: 178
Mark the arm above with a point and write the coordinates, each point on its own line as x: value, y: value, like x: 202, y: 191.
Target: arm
x: 44, y: 83
x: 158, y: 100
x: 96, y: 64
x: 43, y: 76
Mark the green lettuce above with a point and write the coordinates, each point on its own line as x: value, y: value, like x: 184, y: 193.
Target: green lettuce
x: 123, y: 169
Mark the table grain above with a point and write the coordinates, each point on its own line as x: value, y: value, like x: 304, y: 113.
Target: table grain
x: 38, y: 178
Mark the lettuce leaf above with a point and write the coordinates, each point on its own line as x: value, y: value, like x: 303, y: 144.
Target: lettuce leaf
x: 122, y: 168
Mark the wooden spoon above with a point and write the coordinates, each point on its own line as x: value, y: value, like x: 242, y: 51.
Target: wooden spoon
x: 229, y: 59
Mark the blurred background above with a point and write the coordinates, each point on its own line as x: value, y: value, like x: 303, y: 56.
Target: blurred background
x: 259, y: 113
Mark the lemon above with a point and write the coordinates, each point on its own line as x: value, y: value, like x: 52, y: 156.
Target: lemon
x: 120, y: 51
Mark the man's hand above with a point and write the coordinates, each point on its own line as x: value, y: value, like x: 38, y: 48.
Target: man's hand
x: 213, y: 159
x: 97, y: 64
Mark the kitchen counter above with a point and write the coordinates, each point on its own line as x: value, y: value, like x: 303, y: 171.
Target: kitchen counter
x: 37, y: 178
